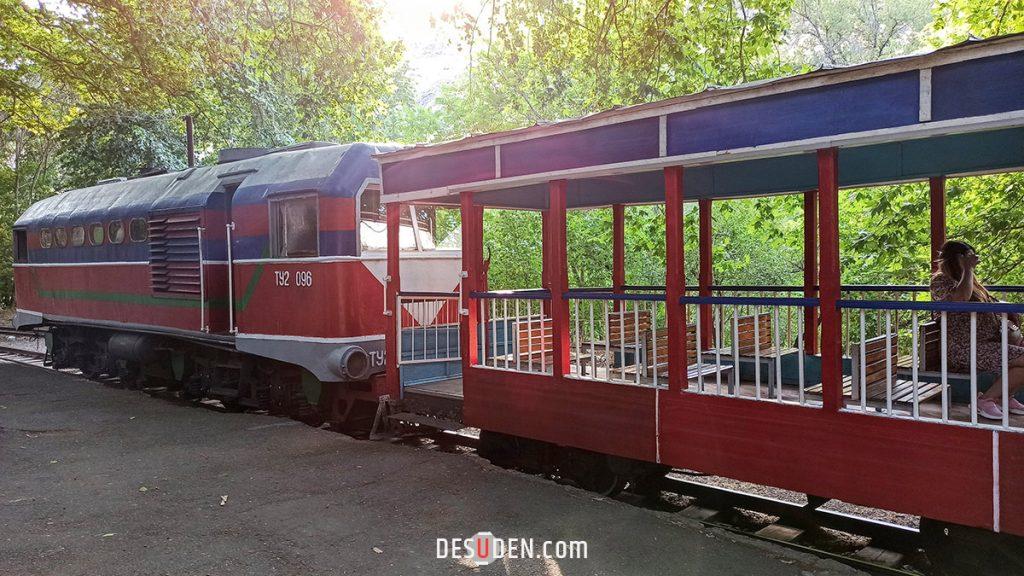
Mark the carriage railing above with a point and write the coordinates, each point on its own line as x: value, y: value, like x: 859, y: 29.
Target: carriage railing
x: 428, y: 325
x: 903, y: 370
x: 515, y: 331
x: 753, y: 353
x: 618, y: 338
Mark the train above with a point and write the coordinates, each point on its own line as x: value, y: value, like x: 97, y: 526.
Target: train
x: 257, y: 281
x: 315, y: 281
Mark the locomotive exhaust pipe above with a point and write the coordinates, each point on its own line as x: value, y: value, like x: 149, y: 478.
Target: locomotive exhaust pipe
x: 190, y: 141
x: 350, y: 362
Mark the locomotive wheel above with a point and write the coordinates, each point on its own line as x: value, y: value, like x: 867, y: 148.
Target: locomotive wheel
x: 954, y: 550
x: 94, y: 366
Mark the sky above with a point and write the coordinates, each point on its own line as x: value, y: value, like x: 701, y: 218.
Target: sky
x: 430, y: 43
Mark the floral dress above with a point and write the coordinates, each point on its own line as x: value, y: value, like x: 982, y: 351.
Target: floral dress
x: 958, y: 334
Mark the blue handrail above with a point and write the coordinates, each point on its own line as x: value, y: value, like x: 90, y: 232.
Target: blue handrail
x: 749, y: 301
x: 610, y: 296
x: 415, y: 294
x: 944, y: 306
x: 532, y: 294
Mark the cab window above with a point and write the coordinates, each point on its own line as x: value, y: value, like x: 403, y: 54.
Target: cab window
x: 77, y: 236
x: 416, y: 231
x: 21, y: 246
x: 96, y: 234
x: 138, y: 230
x: 294, y: 224
x: 115, y: 232
x: 45, y: 238
x: 61, y: 236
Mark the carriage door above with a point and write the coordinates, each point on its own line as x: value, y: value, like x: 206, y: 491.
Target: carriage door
x: 229, y: 188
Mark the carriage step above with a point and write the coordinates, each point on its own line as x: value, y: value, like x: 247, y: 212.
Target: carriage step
x: 429, y: 421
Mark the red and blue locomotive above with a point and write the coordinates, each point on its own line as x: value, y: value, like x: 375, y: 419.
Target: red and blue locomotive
x: 258, y: 281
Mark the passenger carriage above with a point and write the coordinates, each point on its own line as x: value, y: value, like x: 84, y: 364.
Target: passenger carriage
x: 831, y: 390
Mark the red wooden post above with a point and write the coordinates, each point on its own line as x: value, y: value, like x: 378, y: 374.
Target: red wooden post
x: 472, y: 265
x: 558, y: 276
x: 811, y: 270
x: 618, y: 248
x: 831, y: 319
x: 675, y: 279
x: 937, y: 197
x: 706, y: 275
x: 393, y: 283
x: 545, y: 244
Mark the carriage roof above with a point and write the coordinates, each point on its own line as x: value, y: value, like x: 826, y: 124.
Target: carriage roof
x: 957, y: 110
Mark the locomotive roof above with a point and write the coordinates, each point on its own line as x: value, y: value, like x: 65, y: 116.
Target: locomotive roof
x: 337, y: 170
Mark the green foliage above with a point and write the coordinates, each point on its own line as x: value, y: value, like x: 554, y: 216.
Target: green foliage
x: 96, y: 89
x: 544, y: 60
x: 105, y: 143
x: 957, y: 20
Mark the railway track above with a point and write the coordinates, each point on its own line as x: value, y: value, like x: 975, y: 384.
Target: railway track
x: 870, y: 545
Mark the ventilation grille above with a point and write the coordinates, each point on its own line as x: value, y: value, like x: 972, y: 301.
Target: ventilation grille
x: 174, y: 253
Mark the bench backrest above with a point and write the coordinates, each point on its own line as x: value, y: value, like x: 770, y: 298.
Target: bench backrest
x: 745, y: 326
x: 535, y: 338
x: 929, y: 346
x: 656, y: 347
x: 874, y: 363
x: 625, y: 326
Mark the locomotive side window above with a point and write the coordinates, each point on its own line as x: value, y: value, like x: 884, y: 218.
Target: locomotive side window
x: 61, y: 236
x: 21, y: 246
x: 418, y: 235
x: 96, y: 234
x: 138, y: 230
x: 77, y: 236
x: 45, y: 238
x: 115, y: 232
x: 294, y: 227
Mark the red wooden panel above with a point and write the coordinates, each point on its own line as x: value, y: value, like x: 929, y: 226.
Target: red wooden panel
x: 935, y: 470
x: 610, y: 418
x: 1011, y: 483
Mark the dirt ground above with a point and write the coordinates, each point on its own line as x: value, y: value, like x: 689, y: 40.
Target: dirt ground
x: 96, y: 480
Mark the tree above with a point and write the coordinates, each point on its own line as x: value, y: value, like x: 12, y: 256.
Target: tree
x: 103, y: 143
x: 833, y: 33
x: 542, y: 60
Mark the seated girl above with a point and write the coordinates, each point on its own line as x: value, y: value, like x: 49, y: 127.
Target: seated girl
x: 955, y: 281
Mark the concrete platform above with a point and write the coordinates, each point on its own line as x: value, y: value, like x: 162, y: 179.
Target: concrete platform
x: 95, y: 480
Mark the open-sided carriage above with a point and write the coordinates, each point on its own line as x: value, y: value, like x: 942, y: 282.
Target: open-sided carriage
x: 837, y: 391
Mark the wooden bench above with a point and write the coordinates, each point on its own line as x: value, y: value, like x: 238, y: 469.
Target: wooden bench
x: 656, y: 354
x: 754, y: 344
x: 878, y: 374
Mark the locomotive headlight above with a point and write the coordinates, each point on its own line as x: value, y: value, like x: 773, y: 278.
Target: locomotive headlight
x: 350, y: 362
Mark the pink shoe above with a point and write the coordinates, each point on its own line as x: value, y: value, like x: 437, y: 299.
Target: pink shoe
x: 1016, y: 407
x: 988, y: 408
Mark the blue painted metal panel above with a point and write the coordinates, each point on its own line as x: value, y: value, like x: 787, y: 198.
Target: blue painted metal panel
x: 871, y: 104
x: 978, y: 87
x: 621, y: 142
x: 442, y: 170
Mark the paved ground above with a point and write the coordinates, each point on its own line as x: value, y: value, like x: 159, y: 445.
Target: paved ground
x: 101, y: 481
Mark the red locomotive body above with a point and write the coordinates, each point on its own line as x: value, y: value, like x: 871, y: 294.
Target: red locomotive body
x: 267, y: 267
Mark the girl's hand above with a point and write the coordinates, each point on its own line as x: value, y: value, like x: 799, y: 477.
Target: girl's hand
x: 1014, y: 336
x: 969, y: 261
